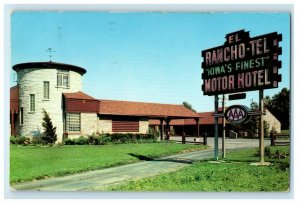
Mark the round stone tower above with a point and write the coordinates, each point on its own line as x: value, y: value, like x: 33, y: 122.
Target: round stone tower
x: 41, y: 85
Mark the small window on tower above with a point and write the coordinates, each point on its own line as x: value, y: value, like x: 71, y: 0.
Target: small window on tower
x: 32, y: 102
x: 63, y: 79
x: 46, y: 89
x: 66, y: 80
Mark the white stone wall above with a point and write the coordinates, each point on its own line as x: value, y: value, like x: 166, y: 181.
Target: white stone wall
x: 272, y: 121
x: 104, y: 125
x: 89, y: 124
x: 31, y: 82
x: 143, y: 126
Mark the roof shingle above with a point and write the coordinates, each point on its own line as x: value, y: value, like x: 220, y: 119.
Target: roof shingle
x: 129, y: 108
x: 78, y: 95
x: 207, y: 118
x: 113, y: 107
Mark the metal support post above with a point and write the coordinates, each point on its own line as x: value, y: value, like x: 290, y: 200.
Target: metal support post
x: 223, y: 125
x: 216, y: 128
x: 261, y: 126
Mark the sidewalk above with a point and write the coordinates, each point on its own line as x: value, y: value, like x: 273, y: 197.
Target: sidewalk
x: 99, y: 179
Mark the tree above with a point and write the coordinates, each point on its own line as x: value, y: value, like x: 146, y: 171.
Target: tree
x: 279, y: 106
x: 252, y: 127
x: 49, y: 135
x: 189, y: 106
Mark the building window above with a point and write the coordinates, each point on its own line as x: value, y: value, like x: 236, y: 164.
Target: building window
x: 21, y: 116
x: 46, y: 89
x: 32, y: 102
x: 63, y: 79
x: 73, y: 122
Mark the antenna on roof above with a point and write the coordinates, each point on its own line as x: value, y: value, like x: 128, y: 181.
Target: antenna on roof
x: 50, y: 50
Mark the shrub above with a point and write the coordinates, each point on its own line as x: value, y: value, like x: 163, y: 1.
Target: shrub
x: 38, y: 140
x: 275, y: 155
x: 103, y: 139
x: 152, y: 134
x: 12, y: 140
x: 115, y: 138
x: 91, y: 139
x: 68, y: 141
x: 22, y: 140
x: 81, y: 140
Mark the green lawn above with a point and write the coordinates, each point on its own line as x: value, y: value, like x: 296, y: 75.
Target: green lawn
x: 285, y: 131
x: 236, y: 174
x: 37, y: 162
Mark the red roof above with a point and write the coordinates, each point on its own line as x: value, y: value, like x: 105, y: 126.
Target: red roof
x: 113, y: 107
x: 14, y: 99
x: 80, y: 102
x: 128, y: 108
x: 207, y: 119
x: 78, y: 95
x: 188, y: 121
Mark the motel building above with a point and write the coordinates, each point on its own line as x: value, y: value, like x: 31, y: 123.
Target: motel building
x: 57, y: 88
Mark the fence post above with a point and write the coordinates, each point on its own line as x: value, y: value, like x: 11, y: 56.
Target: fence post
x: 205, y: 139
x: 272, y: 139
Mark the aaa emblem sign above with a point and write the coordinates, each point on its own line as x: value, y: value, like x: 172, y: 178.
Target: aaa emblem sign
x: 237, y: 114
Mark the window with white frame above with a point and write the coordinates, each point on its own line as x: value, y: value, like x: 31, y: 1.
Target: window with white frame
x: 46, y: 90
x: 32, y: 102
x: 73, y: 122
x: 63, y: 79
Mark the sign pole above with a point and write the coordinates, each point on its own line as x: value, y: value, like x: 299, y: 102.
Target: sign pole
x: 261, y: 125
x: 216, y: 128
x: 223, y: 124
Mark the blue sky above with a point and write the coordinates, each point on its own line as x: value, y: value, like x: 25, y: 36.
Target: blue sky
x: 148, y: 57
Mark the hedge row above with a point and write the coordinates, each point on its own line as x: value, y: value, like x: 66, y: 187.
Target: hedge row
x: 22, y: 140
x: 116, y: 138
x: 95, y: 139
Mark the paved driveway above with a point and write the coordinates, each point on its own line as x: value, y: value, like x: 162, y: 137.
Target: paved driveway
x: 230, y: 143
x: 99, y: 179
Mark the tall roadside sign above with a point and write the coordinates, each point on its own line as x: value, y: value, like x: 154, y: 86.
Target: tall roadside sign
x: 242, y: 64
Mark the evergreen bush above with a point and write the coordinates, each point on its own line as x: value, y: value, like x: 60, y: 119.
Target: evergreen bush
x: 49, y: 135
